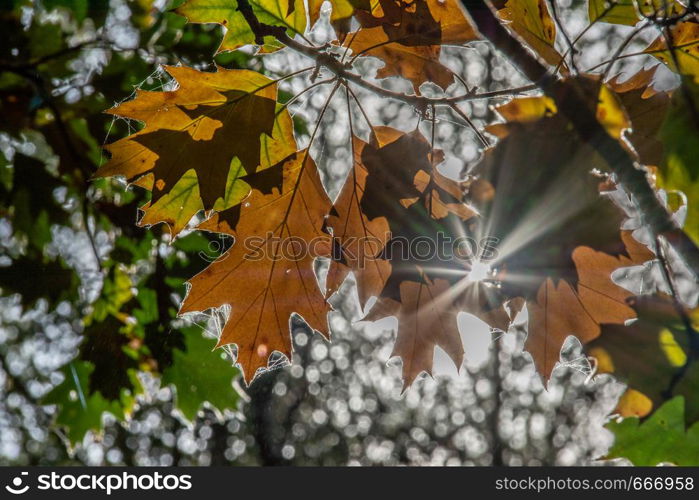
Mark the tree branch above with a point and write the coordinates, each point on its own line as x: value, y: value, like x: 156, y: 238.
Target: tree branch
x: 569, y: 98
x: 571, y: 102
x: 343, y: 70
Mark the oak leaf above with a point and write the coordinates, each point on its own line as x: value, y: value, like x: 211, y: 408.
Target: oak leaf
x: 403, y: 186
x: 407, y: 37
x: 417, y: 63
x: 389, y: 176
x: 617, y: 12
x: 432, y: 22
x: 426, y: 315
x: 562, y: 309
x: 665, y: 437
x: 628, y: 12
x: 341, y: 15
x: 427, y: 318
x: 238, y: 32
x: 358, y: 238
x: 85, y: 412
x: 557, y: 251
x: 395, y: 186
x: 606, y: 105
x: 197, y: 138
x: 403, y: 170
x: 685, y: 42
x: 199, y: 375
x: 263, y: 279
x: 531, y: 20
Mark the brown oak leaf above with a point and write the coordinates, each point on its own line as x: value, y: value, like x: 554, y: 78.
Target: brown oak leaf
x: 268, y: 274
x: 209, y: 120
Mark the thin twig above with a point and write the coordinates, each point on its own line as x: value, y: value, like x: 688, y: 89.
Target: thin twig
x: 571, y: 48
x: 629, y: 38
x: 470, y: 123
x: 343, y: 69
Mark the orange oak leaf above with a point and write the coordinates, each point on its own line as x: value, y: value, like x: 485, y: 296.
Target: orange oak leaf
x: 562, y: 309
x: 531, y: 20
x: 207, y: 122
x: 403, y: 171
x: 426, y: 316
x: 404, y: 187
x: 367, y: 215
x: 359, y: 240
x: 407, y: 37
x: 419, y: 64
x: 456, y: 30
x: 433, y: 22
x: 441, y: 195
x: 225, y: 221
x: 268, y: 274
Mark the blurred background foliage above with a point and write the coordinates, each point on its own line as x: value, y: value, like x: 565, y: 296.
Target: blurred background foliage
x: 96, y: 369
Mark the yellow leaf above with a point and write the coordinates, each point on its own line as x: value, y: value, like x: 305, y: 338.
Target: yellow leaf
x: 531, y: 20
x: 685, y: 40
x: 627, y: 12
x: 634, y: 403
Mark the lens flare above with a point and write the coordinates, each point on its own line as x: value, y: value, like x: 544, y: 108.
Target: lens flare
x: 479, y: 271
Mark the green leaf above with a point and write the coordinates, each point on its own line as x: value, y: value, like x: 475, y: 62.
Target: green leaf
x: 6, y: 171
x: 107, y: 348
x: 93, y: 149
x: 200, y: 375
x: 626, y: 12
x: 80, y: 410
x: 44, y: 39
x: 661, y: 438
x: 238, y: 32
x: 679, y: 169
x: 614, y: 12
x: 177, y: 207
x: 116, y: 292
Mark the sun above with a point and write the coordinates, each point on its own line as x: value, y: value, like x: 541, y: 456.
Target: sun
x: 479, y: 271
